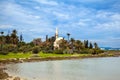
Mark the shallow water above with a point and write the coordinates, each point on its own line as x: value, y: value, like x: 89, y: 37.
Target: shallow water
x: 80, y: 69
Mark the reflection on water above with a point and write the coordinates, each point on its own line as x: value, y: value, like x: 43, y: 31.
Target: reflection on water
x: 81, y: 69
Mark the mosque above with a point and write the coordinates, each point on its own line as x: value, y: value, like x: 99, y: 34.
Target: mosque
x: 57, y: 40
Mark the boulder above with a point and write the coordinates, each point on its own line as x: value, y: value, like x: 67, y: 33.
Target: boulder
x: 3, y: 75
x: 16, y: 78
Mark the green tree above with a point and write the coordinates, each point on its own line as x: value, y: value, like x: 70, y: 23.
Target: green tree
x: 64, y: 44
x: 72, y: 40
x: 21, y: 38
x: 37, y: 41
x: 1, y: 39
x: 86, y: 43
x: 96, y: 45
x: 7, y: 39
x: 14, y: 37
x: 90, y: 46
x: 78, y: 45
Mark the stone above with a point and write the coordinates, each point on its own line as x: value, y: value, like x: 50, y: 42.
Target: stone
x: 3, y: 75
x: 16, y: 78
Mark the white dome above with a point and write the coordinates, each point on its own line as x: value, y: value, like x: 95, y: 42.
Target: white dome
x: 58, y: 39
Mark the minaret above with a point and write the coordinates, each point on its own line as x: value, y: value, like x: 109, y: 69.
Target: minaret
x: 56, y: 33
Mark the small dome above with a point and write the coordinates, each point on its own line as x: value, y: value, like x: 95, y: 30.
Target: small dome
x: 58, y: 39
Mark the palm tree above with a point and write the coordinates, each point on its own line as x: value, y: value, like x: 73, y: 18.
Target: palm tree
x: 68, y: 34
x: 14, y: 31
x: 2, y: 33
x: 2, y: 39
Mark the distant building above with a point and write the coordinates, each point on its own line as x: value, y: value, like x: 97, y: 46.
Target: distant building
x: 57, y: 40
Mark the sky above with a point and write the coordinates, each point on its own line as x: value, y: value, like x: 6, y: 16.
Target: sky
x: 93, y: 20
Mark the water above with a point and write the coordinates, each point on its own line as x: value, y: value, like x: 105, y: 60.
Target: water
x: 80, y: 69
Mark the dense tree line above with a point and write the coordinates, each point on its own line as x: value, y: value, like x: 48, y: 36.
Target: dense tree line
x: 14, y: 43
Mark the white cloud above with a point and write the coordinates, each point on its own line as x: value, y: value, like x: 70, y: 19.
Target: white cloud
x: 37, y: 7
x: 91, y: 0
x: 5, y: 26
x: 116, y: 17
x: 42, y: 17
x: 18, y: 14
x: 42, y: 30
x: 108, y: 21
x: 81, y: 23
x: 108, y: 26
x: 47, y: 2
x: 61, y: 15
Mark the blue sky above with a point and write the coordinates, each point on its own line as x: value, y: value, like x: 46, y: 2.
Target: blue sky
x: 95, y: 20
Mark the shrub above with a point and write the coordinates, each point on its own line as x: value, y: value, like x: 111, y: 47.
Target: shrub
x: 97, y: 51
x: 85, y: 51
x: 68, y: 51
x: 4, y: 52
x: 35, y: 50
x: 26, y: 48
x: 47, y: 51
x: 10, y: 47
x: 58, y: 51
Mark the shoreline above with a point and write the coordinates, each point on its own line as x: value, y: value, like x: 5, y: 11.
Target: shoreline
x: 7, y: 76
x: 37, y: 59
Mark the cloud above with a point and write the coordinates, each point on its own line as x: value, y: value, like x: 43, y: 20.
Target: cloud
x: 5, y: 26
x: 78, y: 17
x: 20, y: 15
x: 61, y: 15
x: 114, y: 42
x: 91, y: 1
x: 47, y: 2
x: 109, y: 26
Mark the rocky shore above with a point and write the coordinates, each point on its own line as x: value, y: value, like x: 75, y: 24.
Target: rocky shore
x: 3, y: 74
x: 6, y: 76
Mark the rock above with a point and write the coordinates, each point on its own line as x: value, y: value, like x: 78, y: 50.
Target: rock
x: 16, y: 78
x: 3, y: 75
x: 10, y: 76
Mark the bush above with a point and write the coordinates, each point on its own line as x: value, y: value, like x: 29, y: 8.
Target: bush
x: 10, y: 47
x: 58, y: 51
x: 68, y: 51
x: 47, y: 51
x: 35, y: 50
x: 85, y: 51
x: 97, y: 51
x: 25, y: 48
x: 4, y: 52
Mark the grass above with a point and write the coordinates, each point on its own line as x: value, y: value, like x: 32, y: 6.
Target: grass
x: 40, y: 54
x: 46, y: 55
x: 15, y: 55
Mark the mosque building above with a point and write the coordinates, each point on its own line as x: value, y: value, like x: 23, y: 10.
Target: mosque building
x: 57, y: 40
